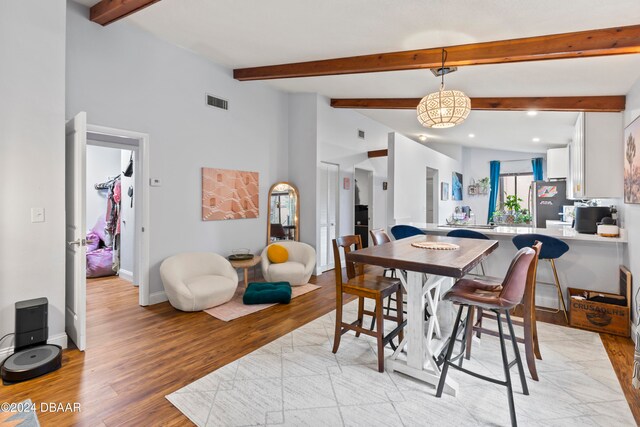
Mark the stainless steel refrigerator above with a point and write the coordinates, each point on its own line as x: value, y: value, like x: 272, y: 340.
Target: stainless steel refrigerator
x: 547, y: 199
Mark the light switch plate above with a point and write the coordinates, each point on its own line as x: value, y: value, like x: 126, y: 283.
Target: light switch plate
x: 155, y: 182
x: 37, y: 214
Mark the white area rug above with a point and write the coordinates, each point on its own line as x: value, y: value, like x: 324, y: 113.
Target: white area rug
x: 297, y: 381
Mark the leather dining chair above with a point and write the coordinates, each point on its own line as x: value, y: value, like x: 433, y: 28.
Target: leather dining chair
x: 380, y: 237
x: 530, y: 340
x: 365, y: 286
x: 469, y: 293
x: 277, y: 232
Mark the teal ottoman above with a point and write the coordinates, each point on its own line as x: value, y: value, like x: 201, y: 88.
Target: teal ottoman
x: 267, y: 293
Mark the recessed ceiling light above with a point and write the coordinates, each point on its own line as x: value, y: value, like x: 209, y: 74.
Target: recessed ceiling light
x: 422, y: 138
x: 472, y: 135
x: 536, y: 139
x: 532, y: 113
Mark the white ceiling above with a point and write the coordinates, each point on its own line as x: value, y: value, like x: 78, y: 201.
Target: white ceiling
x: 507, y: 130
x: 252, y: 33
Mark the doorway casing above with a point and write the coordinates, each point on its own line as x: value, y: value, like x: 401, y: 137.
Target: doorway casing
x: 139, y: 143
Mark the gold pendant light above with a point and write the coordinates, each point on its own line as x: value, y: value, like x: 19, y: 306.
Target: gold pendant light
x: 445, y: 108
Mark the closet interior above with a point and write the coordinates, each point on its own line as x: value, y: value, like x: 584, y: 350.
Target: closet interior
x: 110, y: 212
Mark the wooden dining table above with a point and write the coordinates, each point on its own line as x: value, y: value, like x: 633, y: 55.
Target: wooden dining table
x: 425, y: 274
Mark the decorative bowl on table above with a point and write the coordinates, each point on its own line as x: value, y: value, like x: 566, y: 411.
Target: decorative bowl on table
x: 241, y: 254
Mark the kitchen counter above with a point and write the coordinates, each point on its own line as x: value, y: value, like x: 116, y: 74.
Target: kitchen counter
x: 591, y: 263
x: 562, y: 233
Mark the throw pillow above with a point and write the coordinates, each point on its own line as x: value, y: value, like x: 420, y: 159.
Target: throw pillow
x: 267, y: 293
x: 277, y: 254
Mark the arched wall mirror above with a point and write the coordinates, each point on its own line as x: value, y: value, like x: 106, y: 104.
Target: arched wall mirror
x: 284, y: 212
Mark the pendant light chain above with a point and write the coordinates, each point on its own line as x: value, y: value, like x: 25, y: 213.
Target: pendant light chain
x: 444, y: 108
x: 444, y: 58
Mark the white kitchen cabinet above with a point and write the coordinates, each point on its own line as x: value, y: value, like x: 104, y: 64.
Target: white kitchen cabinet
x: 558, y: 163
x: 596, y: 157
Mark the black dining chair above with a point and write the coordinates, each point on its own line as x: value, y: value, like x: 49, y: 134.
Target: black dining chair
x: 470, y: 234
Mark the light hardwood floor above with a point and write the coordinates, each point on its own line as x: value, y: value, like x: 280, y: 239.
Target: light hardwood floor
x: 136, y: 355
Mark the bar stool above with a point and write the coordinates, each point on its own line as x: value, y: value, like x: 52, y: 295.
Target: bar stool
x: 467, y: 293
x: 470, y: 234
x: 365, y: 286
x: 530, y: 340
x: 552, y: 249
x: 404, y: 231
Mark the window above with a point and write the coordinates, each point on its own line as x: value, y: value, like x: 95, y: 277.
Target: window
x: 515, y: 183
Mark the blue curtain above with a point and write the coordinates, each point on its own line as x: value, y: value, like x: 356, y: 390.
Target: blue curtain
x: 538, y: 175
x: 494, y: 177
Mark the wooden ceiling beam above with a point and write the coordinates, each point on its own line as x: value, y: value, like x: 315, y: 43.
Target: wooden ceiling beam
x: 582, y: 44
x: 377, y: 153
x: 109, y: 11
x: 549, y: 103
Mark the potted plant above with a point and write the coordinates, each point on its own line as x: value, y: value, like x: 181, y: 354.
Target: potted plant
x: 524, y: 217
x: 484, y: 183
x: 512, y: 204
x: 511, y: 209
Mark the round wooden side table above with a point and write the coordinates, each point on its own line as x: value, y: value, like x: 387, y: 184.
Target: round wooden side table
x: 246, y: 264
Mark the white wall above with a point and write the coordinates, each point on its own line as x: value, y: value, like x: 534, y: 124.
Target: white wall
x: 303, y: 160
x: 32, y: 48
x: 408, y: 162
x: 125, y: 78
x: 631, y: 213
x: 455, y: 151
x: 102, y: 163
x: 338, y: 143
x: 475, y: 165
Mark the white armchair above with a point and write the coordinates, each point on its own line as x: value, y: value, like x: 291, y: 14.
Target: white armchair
x: 298, y: 268
x: 195, y: 281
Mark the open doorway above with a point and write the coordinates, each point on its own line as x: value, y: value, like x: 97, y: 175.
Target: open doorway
x: 118, y: 158
x: 432, y: 196
x: 102, y: 164
x: 363, y: 204
x: 110, y: 212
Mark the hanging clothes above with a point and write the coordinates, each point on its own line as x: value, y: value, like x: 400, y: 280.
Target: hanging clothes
x: 114, y: 197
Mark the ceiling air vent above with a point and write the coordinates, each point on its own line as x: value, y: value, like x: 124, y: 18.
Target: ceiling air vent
x: 216, y: 102
x: 360, y: 134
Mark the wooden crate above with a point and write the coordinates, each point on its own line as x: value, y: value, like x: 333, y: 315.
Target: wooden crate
x: 602, y: 317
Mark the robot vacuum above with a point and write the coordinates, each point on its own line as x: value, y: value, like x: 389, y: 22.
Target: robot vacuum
x: 33, y: 356
x: 31, y: 362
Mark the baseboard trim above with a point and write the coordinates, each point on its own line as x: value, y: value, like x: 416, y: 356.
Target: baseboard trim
x: 60, y: 339
x: 158, y: 297
x: 126, y: 275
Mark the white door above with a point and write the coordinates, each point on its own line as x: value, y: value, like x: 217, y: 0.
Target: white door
x: 75, y: 290
x: 328, y: 189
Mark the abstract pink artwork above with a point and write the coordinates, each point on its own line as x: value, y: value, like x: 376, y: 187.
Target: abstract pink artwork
x: 632, y: 162
x: 229, y: 194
